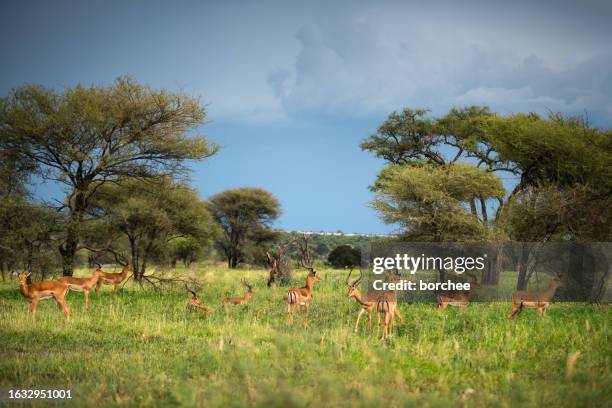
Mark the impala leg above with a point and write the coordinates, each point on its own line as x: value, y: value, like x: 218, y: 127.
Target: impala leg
x: 115, y: 288
x: 514, y: 311
x: 293, y: 311
x: 442, y: 307
x: 307, y: 310
x: 399, y: 314
x: 370, y: 310
x: 86, y: 295
x: 33, y: 304
x: 377, y: 323
x: 359, y: 317
x: 62, y: 305
x: 385, y: 326
x: 98, y: 285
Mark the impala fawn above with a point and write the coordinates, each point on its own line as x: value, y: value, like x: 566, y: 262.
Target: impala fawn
x: 353, y: 291
x: 194, y: 303
x: 38, y: 291
x: 114, y: 279
x: 458, y: 299
x: 83, y: 284
x: 539, y: 300
x: 241, y: 300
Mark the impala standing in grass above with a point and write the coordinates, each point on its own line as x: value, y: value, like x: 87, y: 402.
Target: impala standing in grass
x: 353, y: 291
x: 539, y: 300
x: 458, y: 299
x: 298, y: 297
x: 83, y: 284
x: 35, y: 292
x: 115, y: 279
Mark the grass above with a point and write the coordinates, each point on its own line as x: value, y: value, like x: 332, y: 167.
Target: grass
x: 142, y: 348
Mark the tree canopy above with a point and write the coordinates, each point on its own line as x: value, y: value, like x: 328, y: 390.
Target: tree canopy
x: 244, y: 216
x: 86, y: 137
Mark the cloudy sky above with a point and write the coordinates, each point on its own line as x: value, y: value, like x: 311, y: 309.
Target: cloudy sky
x: 293, y: 87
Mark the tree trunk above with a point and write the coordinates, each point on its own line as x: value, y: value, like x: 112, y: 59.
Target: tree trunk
x: 2, y: 270
x: 490, y: 275
x: 483, y: 209
x: 521, y: 284
x: 473, y: 207
x: 135, y: 260
x: 68, y: 248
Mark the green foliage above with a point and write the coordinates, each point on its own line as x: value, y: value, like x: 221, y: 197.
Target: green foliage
x: 344, y: 256
x: 142, y: 348
x: 28, y: 235
x: 189, y: 249
x: 151, y: 215
x: 563, y: 169
x: 244, y: 216
x: 430, y: 202
x: 85, y: 137
x: 322, y: 244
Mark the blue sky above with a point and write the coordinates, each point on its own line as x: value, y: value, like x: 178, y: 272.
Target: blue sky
x: 293, y: 87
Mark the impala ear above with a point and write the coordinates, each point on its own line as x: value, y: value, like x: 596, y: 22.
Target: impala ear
x: 28, y: 273
x: 15, y: 273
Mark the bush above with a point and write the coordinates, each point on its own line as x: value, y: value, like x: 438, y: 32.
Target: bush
x: 344, y: 256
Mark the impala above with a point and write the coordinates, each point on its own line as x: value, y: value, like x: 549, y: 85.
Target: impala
x: 386, y: 305
x: 299, y: 297
x: 38, y: 291
x: 353, y: 291
x: 82, y: 284
x: 194, y: 303
x: 115, y: 279
x: 387, y: 308
x: 241, y: 300
x: 458, y: 299
x: 539, y: 300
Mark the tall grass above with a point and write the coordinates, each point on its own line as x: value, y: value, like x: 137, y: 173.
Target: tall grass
x: 140, y: 347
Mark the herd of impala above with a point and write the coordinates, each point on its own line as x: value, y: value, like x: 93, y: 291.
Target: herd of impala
x: 384, y: 303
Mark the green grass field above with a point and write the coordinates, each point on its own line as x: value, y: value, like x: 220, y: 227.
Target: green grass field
x: 141, y: 347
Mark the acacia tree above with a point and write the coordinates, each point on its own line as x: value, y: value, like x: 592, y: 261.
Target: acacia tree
x: 554, y: 154
x: 28, y: 233
x: 150, y: 215
x: 244, y: 216
x: 84, y: 138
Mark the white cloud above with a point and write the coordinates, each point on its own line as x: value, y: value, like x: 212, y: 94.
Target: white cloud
x: 369, y: 62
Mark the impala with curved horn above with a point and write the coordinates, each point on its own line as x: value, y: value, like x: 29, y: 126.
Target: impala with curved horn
x: 366, y: 305
x: 243, y: 300
x: 301, y: 297
x: 194, y: 303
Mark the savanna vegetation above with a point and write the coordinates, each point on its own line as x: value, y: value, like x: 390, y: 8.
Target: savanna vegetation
x: 142, y: 347
x: 121, y: 156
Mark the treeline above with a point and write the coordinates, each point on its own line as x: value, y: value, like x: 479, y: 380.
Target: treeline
x: 121, y: 156
x: 475, y: 176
